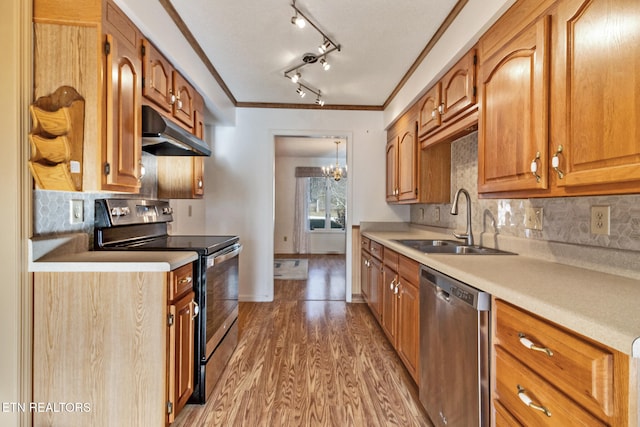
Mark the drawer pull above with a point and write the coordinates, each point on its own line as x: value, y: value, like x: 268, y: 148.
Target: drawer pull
x: 187, y: 279
x: 531, y: 346
x: 196, y: 310
x: 522, y: 394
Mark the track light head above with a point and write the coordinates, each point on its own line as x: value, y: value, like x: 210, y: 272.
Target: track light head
x: 325, y: 64
x: 298, y: 21
x: 296, y: 77
x: 326, y: 44
x: 319, y: 101
x: 301, y: 92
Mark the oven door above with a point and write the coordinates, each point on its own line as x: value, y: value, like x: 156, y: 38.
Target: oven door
x: 221, y: 295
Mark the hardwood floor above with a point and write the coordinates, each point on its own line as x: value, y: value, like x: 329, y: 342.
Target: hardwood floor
x: 326, y: 280
x: 310, y: 363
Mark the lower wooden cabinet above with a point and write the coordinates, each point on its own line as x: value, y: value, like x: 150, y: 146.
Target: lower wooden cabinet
x: 547, y: 375
x: 181, y: 312
x: 394, y: 300
x: 118, y: 343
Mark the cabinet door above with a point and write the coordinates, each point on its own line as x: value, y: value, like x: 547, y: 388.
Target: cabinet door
x: 597, y: 85
x: 458, y: 87
x: 122, y: 150
x: 512, y: 130
x: 158, y: 80
x: 183, y: 107
x: 389, y: 292
x: 365, y: 273
x: 409, y: 326
x: 185, y: 330
x: 392, y: 169
x: 408, y: 165
x: 375, y: 287
x: 198, y: 161
x: 429, y: 110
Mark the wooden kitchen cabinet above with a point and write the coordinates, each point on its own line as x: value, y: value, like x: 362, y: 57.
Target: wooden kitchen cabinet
x: 449, y: 110
x: 569, y: 378
x: 371, y: 275
x: 566, y: 116
x: 402, y: 160
x: 183, y: 177
x: 166, y: 88
x: 106, y: 70
x: 513, y: 123
x: 181, y: 312
x: 400, y: 308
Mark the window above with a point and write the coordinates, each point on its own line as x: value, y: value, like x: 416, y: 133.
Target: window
x: 327, y: 203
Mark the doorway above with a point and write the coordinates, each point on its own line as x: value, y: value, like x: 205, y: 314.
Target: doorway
x: 310, y: 218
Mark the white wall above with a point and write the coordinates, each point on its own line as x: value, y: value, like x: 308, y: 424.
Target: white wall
x: 239, y: 181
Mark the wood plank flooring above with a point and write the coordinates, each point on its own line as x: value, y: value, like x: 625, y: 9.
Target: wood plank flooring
x: 310, y: 363
x: 326, y: 280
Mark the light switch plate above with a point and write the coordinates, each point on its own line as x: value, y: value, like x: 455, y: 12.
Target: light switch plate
x: 533, y: 218
x: 600, y: 220
x: 76, y: 211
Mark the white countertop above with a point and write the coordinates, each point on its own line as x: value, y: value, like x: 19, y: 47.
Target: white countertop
x: 68, y: 253
x: 601, y: 306
x: 113, y: 261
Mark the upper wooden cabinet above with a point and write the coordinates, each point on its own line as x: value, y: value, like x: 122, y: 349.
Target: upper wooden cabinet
x: 512, y: 128
x: 167, y: 88
x: 448, y: 110
x: 558, y: 116
x: 414, y: 175
x: 104, y: 67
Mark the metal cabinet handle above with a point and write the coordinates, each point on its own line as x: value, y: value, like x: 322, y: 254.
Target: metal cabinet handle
x: 196, y: 310
x: 433, y: 113
x: 200, y: 183
x: 534, y: 166
x: 172, y: 97
x: 531, y: 346
x: 441, y: 108
x: 392, y: 284
x: 398, y: 290
x: 187, y: 279
x: 555, y: 162
x: 522, y: 394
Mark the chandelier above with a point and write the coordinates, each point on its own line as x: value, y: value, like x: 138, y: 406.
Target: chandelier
x: 335, y: 171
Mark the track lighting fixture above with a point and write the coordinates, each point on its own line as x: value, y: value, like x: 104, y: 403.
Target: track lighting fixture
x: 325, y: 48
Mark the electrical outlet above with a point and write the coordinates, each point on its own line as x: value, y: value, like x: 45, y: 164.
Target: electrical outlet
x: 533, y: 218
x: 285, y: 238
x: 600, y: 220
x: 435, y: 215
x: 76, y: 211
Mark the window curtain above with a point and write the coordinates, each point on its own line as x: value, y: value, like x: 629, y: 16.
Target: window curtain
x: 301, y: 208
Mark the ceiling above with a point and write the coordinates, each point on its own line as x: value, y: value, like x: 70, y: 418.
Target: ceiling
x: 252, y: 43
x: 310, y: 147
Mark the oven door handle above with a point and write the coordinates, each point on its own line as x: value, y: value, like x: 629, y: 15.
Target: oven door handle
x: 223, y: 255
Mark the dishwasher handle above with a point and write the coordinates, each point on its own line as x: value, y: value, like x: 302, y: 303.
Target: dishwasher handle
x: 448, y: 288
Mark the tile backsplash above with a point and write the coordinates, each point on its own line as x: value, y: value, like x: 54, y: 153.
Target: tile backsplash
x: 565, y: 220
x: 52, y: 212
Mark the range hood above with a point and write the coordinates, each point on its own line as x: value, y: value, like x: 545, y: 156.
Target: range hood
x: 162, y: 137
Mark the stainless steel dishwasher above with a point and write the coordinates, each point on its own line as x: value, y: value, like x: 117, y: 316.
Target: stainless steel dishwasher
x: 454, y: 350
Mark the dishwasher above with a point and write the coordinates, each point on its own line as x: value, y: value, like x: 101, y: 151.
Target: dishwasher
x: 454, y: 351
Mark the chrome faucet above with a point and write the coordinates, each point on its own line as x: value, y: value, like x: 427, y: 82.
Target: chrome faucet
x: 454, y: 211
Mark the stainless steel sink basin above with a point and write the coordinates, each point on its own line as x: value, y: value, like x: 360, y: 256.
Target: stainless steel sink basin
x: 453, y: 247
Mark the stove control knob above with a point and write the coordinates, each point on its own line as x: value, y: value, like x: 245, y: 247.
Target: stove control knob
x: 120, y: 211
x: 167, y: 211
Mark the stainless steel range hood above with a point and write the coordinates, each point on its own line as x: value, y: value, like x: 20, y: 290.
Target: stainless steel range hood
x: 162, y: 137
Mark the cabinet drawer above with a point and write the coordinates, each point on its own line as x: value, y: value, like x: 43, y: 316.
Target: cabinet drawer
x: 502, y: 417
x: 377, y: 250
x: 579, y: 368
x: 365, y: 243
x: 391, y: 259
x: 180, y: 281
x: 409, y: 270
x: 515, y: 382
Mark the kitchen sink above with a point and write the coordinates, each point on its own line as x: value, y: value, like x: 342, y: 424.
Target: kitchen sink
x: 452, y: 247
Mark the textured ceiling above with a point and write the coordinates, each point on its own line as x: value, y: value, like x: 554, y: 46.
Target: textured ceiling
x: 251, y: 43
